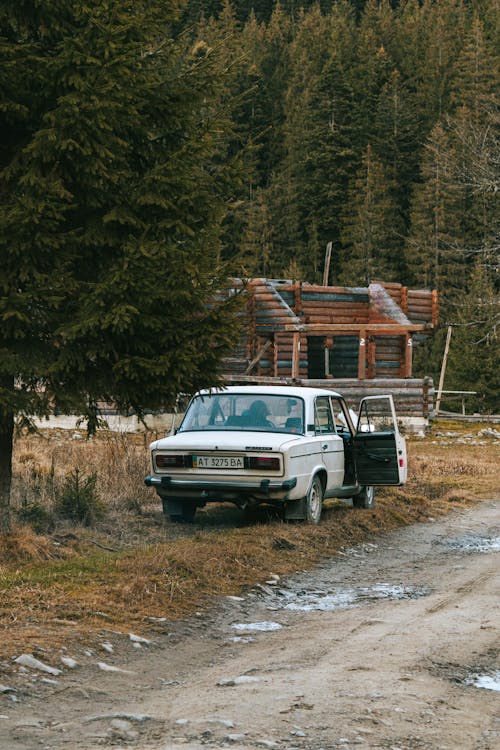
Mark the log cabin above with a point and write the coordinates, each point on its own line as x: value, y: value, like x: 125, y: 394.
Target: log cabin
x: 357, y: 340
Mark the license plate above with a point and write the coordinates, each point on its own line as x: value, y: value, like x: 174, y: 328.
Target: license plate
x: 218, y: 462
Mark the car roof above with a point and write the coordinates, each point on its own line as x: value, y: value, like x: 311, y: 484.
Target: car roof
x: 293, y: 391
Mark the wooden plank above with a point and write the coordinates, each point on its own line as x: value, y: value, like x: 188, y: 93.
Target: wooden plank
x: 326, y: 269
x: 338, y: 305
x: 375, y: 328
x: 408, y: 356
x: 362, y: 354
x: 420, y: 294
x: 295, y: 355
x: 258, y: 356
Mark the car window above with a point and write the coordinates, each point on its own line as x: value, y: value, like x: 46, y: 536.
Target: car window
x: 245, y: 411
x: 323, y: 418
x: 341, y: 417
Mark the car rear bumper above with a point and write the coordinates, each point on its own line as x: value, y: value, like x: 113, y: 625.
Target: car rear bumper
x: 206, y: 488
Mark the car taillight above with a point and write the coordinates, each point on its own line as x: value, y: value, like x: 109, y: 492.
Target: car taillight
x: 266, y: 463
x: 170, y: 462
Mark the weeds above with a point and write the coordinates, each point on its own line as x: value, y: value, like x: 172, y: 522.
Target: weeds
x: 162, y: 570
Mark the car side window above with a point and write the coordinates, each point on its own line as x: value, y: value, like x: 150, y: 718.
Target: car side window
x: 323, y: 418
x: 341, y: 418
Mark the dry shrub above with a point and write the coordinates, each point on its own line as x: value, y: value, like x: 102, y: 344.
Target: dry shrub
x: 23, y: 545
x: 163, y: 570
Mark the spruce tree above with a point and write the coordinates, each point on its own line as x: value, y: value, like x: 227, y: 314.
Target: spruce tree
x: 112, y: 200
x: 473, y: 358
x: 369, y: 234
x: 431, y: 248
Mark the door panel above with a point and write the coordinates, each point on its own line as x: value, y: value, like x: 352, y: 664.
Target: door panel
x: 332, y: 446
x: 379, y: 448
x: 376, y: 458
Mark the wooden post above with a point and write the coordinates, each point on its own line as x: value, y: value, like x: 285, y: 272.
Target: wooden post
x: 258, y: 356
x: 296, y: 355
x: 404, y: 299
x: 435, y: 307
x: 408, y: 355
x: 362, y: 355
x: 372, y: 354
x: 443, y: 370
x: 326, y: 269
x: 328, y: 343
x: 296, y: 297
x: 275, y: 355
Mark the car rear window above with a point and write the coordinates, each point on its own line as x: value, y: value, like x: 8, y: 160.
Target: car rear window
x: 245, y: 411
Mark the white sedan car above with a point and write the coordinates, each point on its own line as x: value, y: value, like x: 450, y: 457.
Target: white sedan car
x: 290, y: 447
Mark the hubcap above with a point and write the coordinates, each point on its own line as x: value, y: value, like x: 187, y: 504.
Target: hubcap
x: 315, y: 501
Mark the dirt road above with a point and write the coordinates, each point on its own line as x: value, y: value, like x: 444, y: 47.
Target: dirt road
x: 378, y: 648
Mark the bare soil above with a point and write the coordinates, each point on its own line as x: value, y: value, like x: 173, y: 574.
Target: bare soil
x: 407, y: 620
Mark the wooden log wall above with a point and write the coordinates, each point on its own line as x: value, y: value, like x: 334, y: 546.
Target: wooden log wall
x: 413, y: 397
x: 278, y: 361
x: 419, y: 305
x: 329, y: 305
x: 389, y: 356
x: 276, y: 309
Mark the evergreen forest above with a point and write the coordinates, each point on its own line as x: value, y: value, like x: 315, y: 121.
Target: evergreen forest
x: 150, y: 150
x: 373, y: 125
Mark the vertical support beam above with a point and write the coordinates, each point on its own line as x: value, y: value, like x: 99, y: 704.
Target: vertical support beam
x: 326, y: 269
x: 362, y: 355
x: 297, y: 297
x: 328, y: 344
x: 296, y: 355
x: 275, y: 354
x: 443, y: 370
x: 435, y: 307
x: 372, y: 355
x: 404, y: 299
x: 408, y: 355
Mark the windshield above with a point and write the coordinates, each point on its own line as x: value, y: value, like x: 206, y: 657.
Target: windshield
x: 245, y: 411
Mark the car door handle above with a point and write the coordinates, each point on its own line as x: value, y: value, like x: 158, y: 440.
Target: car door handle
x: 324, y: 447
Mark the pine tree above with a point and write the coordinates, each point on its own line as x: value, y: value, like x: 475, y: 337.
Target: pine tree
x: 112, y: 199
x: 397, y: 141
x: 369, y: 233
x: 311, y: 186
x: 431, y: 249
x: 473, y: 363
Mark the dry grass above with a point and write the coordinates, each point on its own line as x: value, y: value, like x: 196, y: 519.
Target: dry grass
x: 65, y: 585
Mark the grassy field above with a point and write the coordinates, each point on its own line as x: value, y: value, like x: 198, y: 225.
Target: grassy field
x: 91, y: 549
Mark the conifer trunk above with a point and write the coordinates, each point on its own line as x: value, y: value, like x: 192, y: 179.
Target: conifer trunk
x: 6, y: 442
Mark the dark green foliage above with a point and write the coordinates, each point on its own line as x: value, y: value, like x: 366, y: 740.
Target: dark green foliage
x: 78, y: 500
x: 113, y: 193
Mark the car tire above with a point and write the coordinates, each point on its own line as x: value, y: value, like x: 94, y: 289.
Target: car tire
x: 314, y: 501
x: 365, y: 498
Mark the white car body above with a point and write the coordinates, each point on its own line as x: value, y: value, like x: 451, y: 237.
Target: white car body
x: 304, y: 450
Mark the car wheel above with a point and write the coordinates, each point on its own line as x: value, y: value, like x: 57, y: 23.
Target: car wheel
x: 314, y: 501
x: 365, y: 498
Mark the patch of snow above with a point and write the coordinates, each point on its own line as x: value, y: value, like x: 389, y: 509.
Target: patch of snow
x: 49, y: 681
x: 139, y: 639
x: 110, y: 668
x: 28, y: 660
x: 242, y: 680
x: 69, y: 662
x: 488, y: 682
x: 263, y: 627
